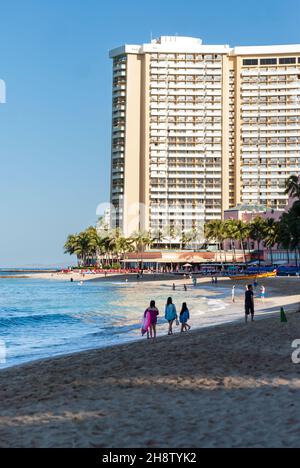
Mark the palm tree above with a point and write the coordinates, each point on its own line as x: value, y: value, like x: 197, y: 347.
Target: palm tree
x: 214, y: 230
x: 271, y: 235
x: 293, y: 187
x: 284, y: 234
x: 243, y: 233
x: 125, y: 245
x: 80, y: 246
x: 295, y: 236
x: 230, y: 231
x: 289, y: 231
x: 104, y: 248
x: 258, y: 232
x: 185, y: 238
x: 142, y: 240
x: 172, y: 234
x: 71, y: 244
x: 93, y: 241
x: 85, y: 246
x: 294, y: 228
x: 115, y: 237
x: 158, y: 237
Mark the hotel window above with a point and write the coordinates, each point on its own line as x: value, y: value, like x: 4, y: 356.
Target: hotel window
x: 250, y: 62
x: 268, y: 61
x: 287, y: 60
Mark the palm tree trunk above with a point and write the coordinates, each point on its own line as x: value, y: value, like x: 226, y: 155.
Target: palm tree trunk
x: 234, y: 253
x: 142, y: 258
x: 244, y: 251
x: 271, y: 255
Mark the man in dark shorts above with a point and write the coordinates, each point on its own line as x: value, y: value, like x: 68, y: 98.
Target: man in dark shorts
x: 249, y: 303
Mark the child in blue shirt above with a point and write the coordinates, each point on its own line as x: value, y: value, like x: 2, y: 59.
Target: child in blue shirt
x: 184, y: 318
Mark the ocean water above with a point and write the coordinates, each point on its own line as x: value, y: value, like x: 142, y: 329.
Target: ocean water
x: 40, y: 318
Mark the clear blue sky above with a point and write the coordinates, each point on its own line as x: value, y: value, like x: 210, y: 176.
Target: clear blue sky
x: 55, y: 127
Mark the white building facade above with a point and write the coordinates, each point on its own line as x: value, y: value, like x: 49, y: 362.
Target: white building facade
x: 198, y: 129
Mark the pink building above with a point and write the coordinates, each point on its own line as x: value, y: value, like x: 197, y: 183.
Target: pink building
x: 247, y: 213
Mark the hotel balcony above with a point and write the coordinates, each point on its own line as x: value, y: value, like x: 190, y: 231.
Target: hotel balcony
x: 120, y: 73
x: 270, y: 72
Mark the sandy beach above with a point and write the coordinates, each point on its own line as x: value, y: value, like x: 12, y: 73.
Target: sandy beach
x: 77, y: 276
x: 229, y: 386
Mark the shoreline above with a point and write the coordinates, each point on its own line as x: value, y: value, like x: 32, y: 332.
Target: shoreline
x: 220, y: 292
x: 225, y: 387
x: 78, y: 277
x: 79, y: 353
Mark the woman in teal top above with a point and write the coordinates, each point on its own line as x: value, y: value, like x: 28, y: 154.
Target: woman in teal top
x: 171, y: 314
x: 184, y: 318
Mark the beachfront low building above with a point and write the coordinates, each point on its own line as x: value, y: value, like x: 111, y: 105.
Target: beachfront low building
x: 204, y: 261
x: 248, y: 213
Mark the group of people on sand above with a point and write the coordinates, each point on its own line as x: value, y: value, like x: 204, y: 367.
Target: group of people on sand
x: 171, y: 316
x: 151, y: 317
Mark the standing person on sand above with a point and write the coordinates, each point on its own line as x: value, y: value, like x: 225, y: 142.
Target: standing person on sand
x: 154, y: 313
x: 249, y: 303
x: 184, y: 318
x: 170, y: 315
x: 263, y: 293
x: 233, y: 294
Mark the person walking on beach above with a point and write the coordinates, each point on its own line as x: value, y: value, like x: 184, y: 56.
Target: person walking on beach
x: 184, y: 318
x: 174, y: 287
x: 170, y: 314
x: 233, y: 294
x: 263, y: 293
x: 154, y: 313
x: 249, y: 303
x: 185, y: 287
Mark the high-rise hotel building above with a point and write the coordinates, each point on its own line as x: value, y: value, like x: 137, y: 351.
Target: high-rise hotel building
x: 198, y: 129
